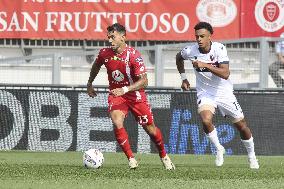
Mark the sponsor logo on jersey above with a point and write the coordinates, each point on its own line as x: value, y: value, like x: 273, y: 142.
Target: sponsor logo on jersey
x: 116, y: 58
x: 117, y: 76
x: 202, y: 70
x: 139, y: 59
x: 269, y: 14
x: 218, y: 13
x: 215, y: 64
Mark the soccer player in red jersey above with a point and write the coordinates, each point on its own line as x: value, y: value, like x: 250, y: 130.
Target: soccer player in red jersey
x: 127, y: 78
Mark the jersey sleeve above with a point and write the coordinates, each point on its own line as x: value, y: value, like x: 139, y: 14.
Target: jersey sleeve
x: 186, y: 53
x: 222, y: 54
x: 100, y: 60
x: 137, y: 63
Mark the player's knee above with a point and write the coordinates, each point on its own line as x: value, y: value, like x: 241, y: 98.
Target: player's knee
x: 242, y: 126
x: 207, y: 122
x: 117, y: 119
x: 118, y: 126
x: 118, y: 123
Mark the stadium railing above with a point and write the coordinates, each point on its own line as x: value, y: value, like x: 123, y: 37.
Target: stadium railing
x: 249, y: 62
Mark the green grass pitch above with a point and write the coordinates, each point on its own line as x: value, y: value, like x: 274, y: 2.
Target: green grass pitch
x: 64, y: 170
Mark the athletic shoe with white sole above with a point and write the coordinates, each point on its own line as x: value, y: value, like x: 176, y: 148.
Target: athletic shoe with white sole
x: 220, y: 156
x: 253, y: 163
x: 133, y: 164
x: 168, y: 164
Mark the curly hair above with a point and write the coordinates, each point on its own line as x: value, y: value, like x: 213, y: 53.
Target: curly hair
x: 204, y: 25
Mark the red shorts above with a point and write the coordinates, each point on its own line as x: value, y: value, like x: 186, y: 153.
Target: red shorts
x: 141, y: 110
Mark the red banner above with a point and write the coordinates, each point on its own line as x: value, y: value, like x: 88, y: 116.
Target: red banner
x: 88, y: 19
x: 262, y: 18
x: 143, y: 19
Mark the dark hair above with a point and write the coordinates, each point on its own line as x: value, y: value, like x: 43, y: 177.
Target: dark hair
x: 204, y: 25
x: 117, y: 27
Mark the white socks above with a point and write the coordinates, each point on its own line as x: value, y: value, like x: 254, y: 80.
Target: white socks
x: 213, y: 138
x: 249, y: 144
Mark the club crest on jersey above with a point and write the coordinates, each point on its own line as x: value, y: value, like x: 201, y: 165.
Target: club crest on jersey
x: 211, y: 57
x: 117, y: 76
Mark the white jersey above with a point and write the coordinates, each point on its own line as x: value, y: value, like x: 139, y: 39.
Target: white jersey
x: 205, y: 80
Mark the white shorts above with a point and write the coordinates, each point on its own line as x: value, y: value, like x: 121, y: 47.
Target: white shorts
x: 227, y: 105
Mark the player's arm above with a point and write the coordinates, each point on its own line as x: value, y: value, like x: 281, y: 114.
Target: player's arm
x: 180, y: 63
x: 180, y: 67
x: 221, y: 71
x: 93, y: 74
x: 142, y: 82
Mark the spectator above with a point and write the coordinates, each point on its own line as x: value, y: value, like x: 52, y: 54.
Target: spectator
x: 279, y: 64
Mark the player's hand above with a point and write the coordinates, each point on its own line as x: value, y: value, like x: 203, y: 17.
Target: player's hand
x: 198, y: 64
x: 185, y: 85
x: 91, y: 91
x: 117, y: 92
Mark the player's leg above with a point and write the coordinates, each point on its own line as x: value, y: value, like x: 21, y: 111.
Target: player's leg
x: 211, y: 133
x: 144, y: 117
x: 206, y: 110
x: 247, y: 140
x: 230, y: 106
x: 118, y: 110
x: 156, y: 137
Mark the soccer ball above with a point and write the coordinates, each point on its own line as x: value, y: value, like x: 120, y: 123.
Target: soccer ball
x: 93, y: 159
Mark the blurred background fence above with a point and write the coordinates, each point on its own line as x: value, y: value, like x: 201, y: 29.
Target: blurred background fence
x: 249, y: 64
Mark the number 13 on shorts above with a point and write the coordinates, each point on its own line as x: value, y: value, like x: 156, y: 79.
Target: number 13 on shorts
x: 143, y: 119
x: 237, y: 106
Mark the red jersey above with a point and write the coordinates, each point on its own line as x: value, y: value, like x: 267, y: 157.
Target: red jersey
x: 123, y: 69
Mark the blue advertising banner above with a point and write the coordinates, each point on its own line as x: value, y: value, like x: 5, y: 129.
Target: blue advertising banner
x: 63, y: 119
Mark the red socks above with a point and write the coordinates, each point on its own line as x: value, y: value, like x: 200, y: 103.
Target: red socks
x: 158, y: 140
x: 122, y: 139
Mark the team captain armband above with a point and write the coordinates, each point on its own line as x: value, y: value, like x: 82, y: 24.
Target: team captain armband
x: 183, y: 76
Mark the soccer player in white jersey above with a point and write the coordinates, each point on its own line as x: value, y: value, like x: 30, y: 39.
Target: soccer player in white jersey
x: 214, y: 89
